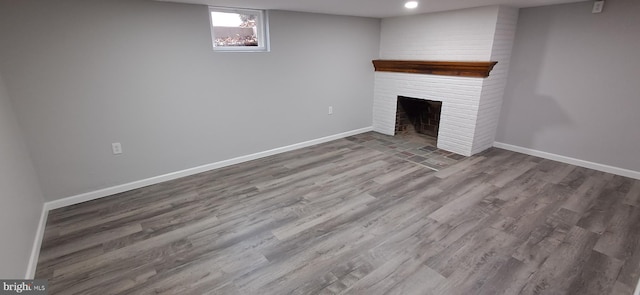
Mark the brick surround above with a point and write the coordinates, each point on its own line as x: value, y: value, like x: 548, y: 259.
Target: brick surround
x: 470, y: 106
x: 460, y: 101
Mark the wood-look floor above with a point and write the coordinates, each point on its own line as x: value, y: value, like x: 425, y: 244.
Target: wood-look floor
x: 343, y: 218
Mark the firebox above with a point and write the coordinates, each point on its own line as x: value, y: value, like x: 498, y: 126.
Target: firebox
x: 415, y: 115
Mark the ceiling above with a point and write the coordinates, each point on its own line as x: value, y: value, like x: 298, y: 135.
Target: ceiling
x: 369, y: 8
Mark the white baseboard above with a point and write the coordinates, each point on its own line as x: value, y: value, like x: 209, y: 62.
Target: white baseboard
x: 37, y: 243
x: 35, y: 253
x: 569, y: 160
x: 191, y: 171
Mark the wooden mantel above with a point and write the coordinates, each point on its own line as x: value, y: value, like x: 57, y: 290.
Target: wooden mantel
x: 478, y: 69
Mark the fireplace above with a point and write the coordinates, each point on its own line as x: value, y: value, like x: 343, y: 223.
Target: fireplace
x: 463, y: 64
x: 469, y: 108
x: 420, y: 116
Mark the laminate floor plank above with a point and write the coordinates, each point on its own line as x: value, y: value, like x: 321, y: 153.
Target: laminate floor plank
x: 456, y: 168
x: 387, y: 276
x: 369, y: 214
x: 79, y: 243
x: 633, y: 196
x: 510, y: 278
x: 124, y: 217
x: 598, y: 275
x: 623, y: 233
x: 583, y: 197
x: 511, y: 174
x: 628, y: 275
x: 526, y: 218
x: 564, y: 265
x: 461, y: 204
x: 598, y: 216
x: 578, y: 176
x: 313, y: 220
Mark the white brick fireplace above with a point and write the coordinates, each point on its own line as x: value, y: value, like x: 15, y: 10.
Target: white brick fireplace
x: 470, y: 106
x: 460, y: 100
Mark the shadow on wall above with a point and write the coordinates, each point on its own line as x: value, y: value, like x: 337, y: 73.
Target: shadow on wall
x: 542, y: 112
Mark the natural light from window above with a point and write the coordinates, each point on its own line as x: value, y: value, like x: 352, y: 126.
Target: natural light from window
x: 238, y: 29
x: 225, y: 19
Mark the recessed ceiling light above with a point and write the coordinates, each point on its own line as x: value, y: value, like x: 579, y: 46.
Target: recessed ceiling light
x: 411, y: 4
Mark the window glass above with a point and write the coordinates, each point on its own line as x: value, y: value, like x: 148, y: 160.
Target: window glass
x: 238, y: 29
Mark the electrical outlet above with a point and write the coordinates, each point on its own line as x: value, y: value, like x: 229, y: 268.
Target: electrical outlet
x: 330, y: 111
x: 116, y: 147
x: 598, y: 6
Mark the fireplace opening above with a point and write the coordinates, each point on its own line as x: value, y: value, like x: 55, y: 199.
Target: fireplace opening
x: 418, y: 116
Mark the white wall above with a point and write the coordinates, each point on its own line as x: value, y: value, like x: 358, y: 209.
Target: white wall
x: 19, y: 193
x: 470, y: 108
x: 573, y: 86
x: 493, y: 86
x: 84, y: 74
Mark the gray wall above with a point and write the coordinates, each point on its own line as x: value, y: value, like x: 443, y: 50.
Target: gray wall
x: 574, y: 83
x: 83, y: 74
x: 19, y: 193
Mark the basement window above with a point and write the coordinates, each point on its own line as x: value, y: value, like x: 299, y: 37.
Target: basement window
x: 239, y: 30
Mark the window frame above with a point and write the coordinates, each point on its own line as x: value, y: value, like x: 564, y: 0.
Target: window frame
x: 262, y: 29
